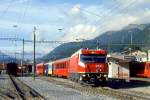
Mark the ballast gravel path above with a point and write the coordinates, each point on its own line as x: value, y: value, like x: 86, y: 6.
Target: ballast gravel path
x: 52, y: 91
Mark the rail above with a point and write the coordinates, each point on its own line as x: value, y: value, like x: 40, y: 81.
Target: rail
x: 117, y: 93
x: 25, y: 92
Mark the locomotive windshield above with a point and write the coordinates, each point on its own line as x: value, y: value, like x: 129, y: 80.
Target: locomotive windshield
x: 93, y: 58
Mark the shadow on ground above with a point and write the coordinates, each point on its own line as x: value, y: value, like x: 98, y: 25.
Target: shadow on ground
x: 116, y: 84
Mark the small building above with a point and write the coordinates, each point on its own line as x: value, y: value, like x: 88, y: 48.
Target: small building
x: 140, y: 56
x: 118, y: 68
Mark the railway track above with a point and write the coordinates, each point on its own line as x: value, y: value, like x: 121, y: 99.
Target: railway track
x: 88, y: 89
x: 6, y: 94
x: 7, y: 89
x: 24, y: 91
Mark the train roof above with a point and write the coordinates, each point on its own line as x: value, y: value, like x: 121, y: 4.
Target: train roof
x: 49, y: 63
x: 59, y: 60
x: 39, y: 64
x: 90, y: 51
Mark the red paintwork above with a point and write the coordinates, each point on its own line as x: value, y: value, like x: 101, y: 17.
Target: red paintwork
x: 140, y: 69
x: 71, y: 65
x: 60, y: 67
x: 89, y: 67
x: 145, y: 70
x: 40, y: 69
x: 87, y: 51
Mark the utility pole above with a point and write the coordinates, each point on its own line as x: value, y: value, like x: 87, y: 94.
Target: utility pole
x: 3, y: 61
x: 131, y: 41
x: 97, y: 42
x: 34, y: 37
x: 15, y: 56
x: 22, y: 55
x: 131, y: 38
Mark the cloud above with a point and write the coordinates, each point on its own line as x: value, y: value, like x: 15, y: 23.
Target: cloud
x: 81, y: 28
x: 75, y: 10
x: 105, y: 17
x: 118, y: 23
x: 78, y: 20
x: 82, y: 31
x: 136, y: 2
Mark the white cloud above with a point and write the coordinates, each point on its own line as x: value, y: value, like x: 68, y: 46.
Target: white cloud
x: 75, y: 10
x: 82, y: 31
x: 137, y: 2
x: 77, y: 20
x: 118, y: 22
x: 101, y: 18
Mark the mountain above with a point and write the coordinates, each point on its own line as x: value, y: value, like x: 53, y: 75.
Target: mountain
x: 132, y: 33
x: 6, y: 58
x: 67, y: 49
x: 139, y: 26
x: 135, y: 33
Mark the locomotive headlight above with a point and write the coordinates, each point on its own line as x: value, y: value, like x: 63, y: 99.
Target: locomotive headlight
x: 105, y: 75
x: 83, y: 75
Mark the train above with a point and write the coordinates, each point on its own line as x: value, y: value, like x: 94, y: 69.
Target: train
x: 18, y: 70
x: 44, y: 69
x: 140, y: 69
x: 12, y: 68
x: 92, y: 66
x: 85, y: 65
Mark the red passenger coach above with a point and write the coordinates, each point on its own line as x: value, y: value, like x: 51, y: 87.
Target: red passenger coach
x: 40, y: 69
x: 147, y: 70
x: 140, y: 69
x: 88, y: 65
x: 60, y: 67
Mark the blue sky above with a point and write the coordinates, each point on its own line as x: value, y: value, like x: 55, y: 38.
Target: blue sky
x: 77, y: 19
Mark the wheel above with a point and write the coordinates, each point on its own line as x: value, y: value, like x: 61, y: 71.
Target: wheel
x: 80, y: 80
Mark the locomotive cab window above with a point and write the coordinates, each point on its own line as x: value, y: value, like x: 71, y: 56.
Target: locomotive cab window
x: 93, y: 58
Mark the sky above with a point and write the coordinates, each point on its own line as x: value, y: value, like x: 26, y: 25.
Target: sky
x: 66, y: 20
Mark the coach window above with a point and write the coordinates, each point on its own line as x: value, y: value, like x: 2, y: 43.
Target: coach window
x: 63, y: 65
x: 59, y: 66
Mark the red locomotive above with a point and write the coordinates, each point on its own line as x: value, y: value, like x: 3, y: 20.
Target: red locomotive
x: 84, y: 65
x: 88, y: 65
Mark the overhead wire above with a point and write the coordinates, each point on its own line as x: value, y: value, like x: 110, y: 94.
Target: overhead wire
x: 122, y: 10
x: 6, y: 10
x: 22, y: 17
x: 104, y: 26
x: 24, y: 14
x: 103, y: 16
x: 21, y: 20
x: 108, y: 14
